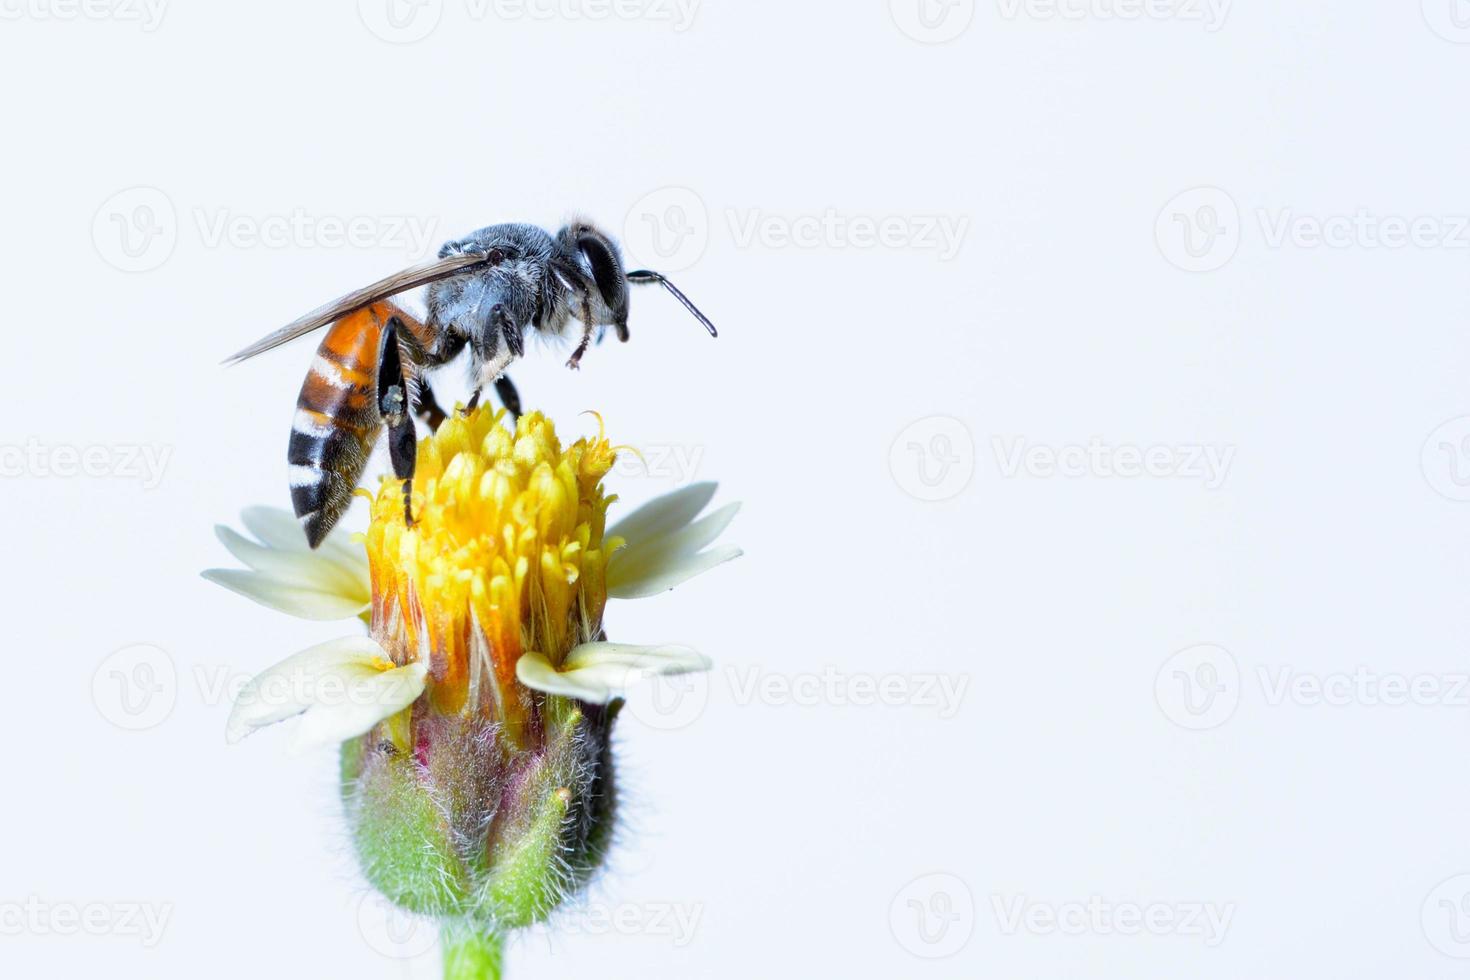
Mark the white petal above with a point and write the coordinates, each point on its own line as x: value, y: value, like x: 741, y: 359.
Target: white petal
x: 301, y: 567
x: 665, y: 514
x: 275, y: 527
x: 598, y: 672
x: 280, y: 530
x: 372, y: 696
x: 284, y: 573
x: 340, y: 686
x: 293, y: 600
x: 639, y: 581
x: 646, y: 567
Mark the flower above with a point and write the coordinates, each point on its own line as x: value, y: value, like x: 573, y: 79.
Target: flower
x: 476, y: 715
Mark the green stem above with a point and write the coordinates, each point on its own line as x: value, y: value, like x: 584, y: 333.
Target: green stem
x: 471, y: 955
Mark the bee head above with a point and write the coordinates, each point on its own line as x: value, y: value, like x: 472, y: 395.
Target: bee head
x: 592, y: 251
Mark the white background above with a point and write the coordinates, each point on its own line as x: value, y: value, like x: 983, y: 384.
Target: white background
x: 1137, y: 269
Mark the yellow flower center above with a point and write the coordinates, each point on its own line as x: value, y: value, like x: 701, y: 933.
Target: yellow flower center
x: 506, y: 555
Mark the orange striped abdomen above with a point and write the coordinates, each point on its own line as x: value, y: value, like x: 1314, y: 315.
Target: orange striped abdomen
x: 337, y: 419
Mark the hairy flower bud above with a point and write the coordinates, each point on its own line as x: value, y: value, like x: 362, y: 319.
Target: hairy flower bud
x: 487, y: 800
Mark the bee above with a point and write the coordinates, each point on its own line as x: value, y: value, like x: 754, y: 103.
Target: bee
x: 485, y: 292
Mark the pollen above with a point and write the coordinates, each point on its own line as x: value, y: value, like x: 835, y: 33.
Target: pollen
x: 506, y: 555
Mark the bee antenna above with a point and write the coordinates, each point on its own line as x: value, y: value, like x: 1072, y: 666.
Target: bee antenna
x: 644, y: 275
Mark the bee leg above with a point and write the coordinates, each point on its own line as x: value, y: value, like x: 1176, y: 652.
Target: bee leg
x: 393, y: 405
x: 429, y: 409
x: 509, y: 397
x: 575, y: 361
x: 587, y: 325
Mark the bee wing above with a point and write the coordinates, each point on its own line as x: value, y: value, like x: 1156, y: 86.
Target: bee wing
x: 410, y: 278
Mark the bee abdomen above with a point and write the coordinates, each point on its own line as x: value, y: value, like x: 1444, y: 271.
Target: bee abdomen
x: 336, y: 423
x: 325, y: 465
